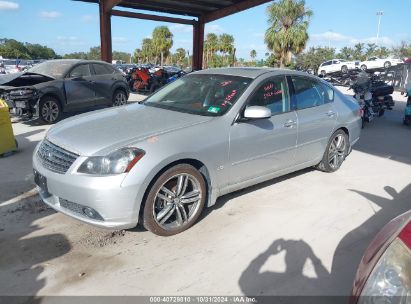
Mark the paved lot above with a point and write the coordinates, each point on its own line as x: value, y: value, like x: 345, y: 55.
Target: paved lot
x: 296, y: 235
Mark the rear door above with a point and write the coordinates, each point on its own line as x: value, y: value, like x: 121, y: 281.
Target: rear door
x: 104, y: 78
x: 80, y: 87
x: 316, y: 117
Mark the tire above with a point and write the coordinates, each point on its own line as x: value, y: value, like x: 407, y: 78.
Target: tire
x: 49, y: 110
x: 387, y: 64
x: 164, y: 212
x: 334, y: 156
x: 119, y: 98
x: 323, y: 73
x: 344, y: 69
x: 364, y: 67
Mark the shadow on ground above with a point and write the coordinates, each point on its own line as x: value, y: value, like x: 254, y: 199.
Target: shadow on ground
x: 346, y: 258
x: 26, y: 254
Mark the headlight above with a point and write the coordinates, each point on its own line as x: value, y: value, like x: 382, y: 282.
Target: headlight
x: 117, y: 162
x: 390, y: 280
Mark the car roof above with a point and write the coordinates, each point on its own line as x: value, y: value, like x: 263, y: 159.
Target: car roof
x: 250, y: 72
x: 75, y: 61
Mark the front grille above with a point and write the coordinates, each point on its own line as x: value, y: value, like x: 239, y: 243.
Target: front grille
x: 54, y: 158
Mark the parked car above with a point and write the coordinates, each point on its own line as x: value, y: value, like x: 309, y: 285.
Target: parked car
x: 204, y: 135
x: 56, y: 86
x: 377, y: 63
x: 384, y: 273
x: 337, y: 65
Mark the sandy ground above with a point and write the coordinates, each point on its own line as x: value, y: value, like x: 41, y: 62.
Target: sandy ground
x: 302, y: 234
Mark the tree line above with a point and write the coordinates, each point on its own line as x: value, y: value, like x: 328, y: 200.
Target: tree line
x: 286, y: 39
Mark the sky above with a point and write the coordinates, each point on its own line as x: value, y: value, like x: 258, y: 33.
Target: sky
x: 70, y: 26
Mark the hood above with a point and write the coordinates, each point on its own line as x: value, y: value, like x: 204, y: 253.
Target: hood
x: 4, y: 79
x: 100, y: 132
x: 23, y: 79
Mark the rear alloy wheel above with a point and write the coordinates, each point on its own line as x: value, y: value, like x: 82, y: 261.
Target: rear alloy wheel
x: 175, y: 201
x: 49, y: 110
x: 344, y: 69
x: 364, y: 67
x: 335, y: 153
x: 119, y: 98
x: 387, y: 64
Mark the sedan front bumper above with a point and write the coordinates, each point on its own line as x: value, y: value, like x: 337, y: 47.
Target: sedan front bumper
x: 75, y: 195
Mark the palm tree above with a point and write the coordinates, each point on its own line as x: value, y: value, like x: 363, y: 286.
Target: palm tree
x: 253, y: 55
x: 287, y: 33
x: 162, y: 41
x: 138, y: 54
x: 180, y: 55
x: 226, y: 45
x: 147, y: 49
x: 210, y: 47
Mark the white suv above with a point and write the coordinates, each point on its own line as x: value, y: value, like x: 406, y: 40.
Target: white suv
x: 337, y: 65
x: 375, y: 63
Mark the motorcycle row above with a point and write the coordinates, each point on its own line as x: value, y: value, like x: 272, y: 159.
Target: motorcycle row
x: 373, y: 95
x: 148, y: 79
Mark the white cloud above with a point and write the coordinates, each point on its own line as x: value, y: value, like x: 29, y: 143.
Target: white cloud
x: 181, y: 28
x: 120, y: 39
x: 213, y: 28
x: 89, y: 18
x: 333, y: 37
x: 69, y: 40
x: 330, y: 36
x: 50, y: 14
x: 8, y: 5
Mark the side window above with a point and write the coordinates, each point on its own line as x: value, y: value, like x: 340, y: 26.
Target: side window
x: 327, y: 92
x: 309, y: 93
x: 273, y: 94
x: 82, y: 70
x: 102, y: 69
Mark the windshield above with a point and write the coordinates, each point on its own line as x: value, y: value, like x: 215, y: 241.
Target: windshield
x: 201, y: 94
x: 56, y: 69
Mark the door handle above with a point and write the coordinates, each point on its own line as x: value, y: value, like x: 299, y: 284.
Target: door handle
x: 330, y: 114
x: 290, y: 123
x: 91, y: 81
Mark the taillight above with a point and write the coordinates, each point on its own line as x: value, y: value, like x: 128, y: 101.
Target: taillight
x: 390, y: 280
x: 405, y: 236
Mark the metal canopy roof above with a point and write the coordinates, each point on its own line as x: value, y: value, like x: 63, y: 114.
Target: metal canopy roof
x: 210, y: 10
x: 204, y: 10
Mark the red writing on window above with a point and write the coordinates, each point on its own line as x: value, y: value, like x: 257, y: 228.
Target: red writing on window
x: 272, y: 93
x: 225, y: 83
x: 229, y: 97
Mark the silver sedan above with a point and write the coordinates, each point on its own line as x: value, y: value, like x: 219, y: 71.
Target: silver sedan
x: 207, y: 134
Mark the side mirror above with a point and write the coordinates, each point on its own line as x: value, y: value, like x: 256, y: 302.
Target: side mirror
x: 257, y: 112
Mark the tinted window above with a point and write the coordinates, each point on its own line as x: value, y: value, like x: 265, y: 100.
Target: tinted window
x: 102, y: 69
x: 326, y: 63
x: 310, y: 93
x: 272, y: 94
x: 202, y: 94
x: 82, y: 70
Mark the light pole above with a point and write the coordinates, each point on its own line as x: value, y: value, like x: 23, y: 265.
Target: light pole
x: 379, y: 14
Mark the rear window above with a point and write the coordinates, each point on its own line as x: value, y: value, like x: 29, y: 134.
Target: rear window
x: 102, y: 69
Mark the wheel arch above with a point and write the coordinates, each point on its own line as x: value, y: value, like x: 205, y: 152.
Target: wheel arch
x: 199, y: 165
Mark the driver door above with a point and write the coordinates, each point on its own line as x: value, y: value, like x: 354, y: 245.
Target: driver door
x: 80, y: 87
x: 264, y: 146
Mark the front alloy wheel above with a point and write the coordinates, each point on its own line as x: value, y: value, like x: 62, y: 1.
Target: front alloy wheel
x: 175, y: 201
x: 49, y: 110
x: 335, y: 153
